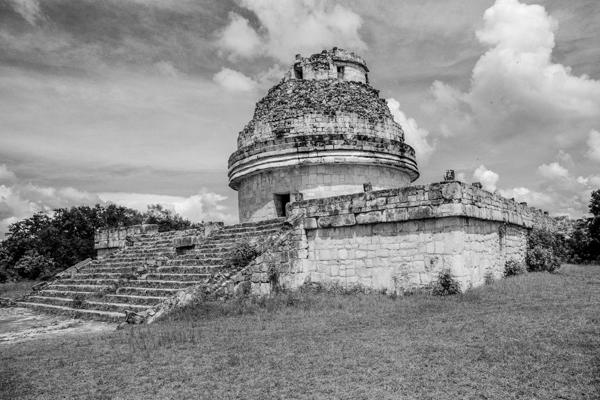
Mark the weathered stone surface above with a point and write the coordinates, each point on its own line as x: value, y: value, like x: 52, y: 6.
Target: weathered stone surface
x: 370, y: 217
x: 337, y: 220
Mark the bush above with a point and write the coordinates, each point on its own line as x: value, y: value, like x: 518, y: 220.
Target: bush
x: 35, y: 266
x: 78, y: 301
x: 242, y: 254
x: 513, y: 268
x: 540, y: 258
x: 445, y: 285
x: 4, y: 275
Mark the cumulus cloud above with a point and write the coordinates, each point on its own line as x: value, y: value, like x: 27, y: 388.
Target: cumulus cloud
x: 20, y: 200
x: 203, y: 206
x: 488, y: 178
x: 289, y: 26
x: 515, y: 86
x: 594, y: 145
x: 29, y: 10
x: 532, y: 198
x: 591, y: 180
x: 239, y: 38
x: 6, y: 175
x: 413, y: 135
x: 553, y: 171
x: 234, y: 81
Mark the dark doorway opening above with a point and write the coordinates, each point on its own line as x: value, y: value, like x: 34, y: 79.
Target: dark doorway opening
x: 298, y: 72
x: 340, y: 72
x: 281, y: 200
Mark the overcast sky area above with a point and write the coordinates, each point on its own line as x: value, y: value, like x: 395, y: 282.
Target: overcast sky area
x: 141, y: 101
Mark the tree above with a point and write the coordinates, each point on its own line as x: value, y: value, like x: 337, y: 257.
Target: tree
x: 166, y: 220
x: 594, y: 227
x: 44, y: 244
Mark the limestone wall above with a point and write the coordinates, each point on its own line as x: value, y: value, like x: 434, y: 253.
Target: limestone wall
x: 400, y: 256
x: 256, y: 200
x: 400, y: 239
x: 108, y: 240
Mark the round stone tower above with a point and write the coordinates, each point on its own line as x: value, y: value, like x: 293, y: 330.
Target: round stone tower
x: 322, y: 131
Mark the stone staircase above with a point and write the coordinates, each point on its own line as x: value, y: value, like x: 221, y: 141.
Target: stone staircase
x: 147, y: 272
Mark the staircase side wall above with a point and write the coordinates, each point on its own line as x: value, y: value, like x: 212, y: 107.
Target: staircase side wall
x: 109, y: 240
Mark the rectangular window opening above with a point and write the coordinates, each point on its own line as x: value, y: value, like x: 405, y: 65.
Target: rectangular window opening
x: 298, y: 72
x: 340, y: 72
x: 281, y: 200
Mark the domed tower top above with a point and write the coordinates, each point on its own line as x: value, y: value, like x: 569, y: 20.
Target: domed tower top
x: 322, y: 131
x: 330, y: 64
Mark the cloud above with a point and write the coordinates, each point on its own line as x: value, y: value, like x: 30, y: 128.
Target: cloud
x: 203, y: 206
x: 20, y: 200
x: 487, y: 178
x: 594, y: 145
x: 234, y: 81
x: 239, y: 38
x: 6, y: 175
x: 532, y: 198
x: 515, y: 86
x: 28, y: 9
x: 591, y: 180
x: 291, y: 26
x: 413, y: 135
x: 553, y: 171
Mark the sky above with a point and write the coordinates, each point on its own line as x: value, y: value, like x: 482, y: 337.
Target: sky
x: 140, y: 102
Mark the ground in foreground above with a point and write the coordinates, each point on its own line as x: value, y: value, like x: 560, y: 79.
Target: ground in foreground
x: 531, y: 337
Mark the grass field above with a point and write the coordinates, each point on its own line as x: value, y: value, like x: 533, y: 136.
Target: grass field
x: 531, y: 337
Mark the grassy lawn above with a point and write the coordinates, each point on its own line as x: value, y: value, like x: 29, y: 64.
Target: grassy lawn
x: 530, y: 337
x: 14, y: 290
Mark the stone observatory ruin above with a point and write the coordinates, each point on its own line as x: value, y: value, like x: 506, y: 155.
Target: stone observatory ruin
x: 324, y: 181
x: 322, y: 131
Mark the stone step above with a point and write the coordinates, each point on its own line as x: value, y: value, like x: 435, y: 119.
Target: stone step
x: 160, y: 284
x: 133, y: 299
x: 112, y: 283
x: 189, y: 269
x: 141, y: 291
x: 76, y: 312
x: 178, y: 276
x: 80, y: 288
x: 197, y: 262
x: 117, y: 270
x: 65, y: 293
x: 88, y: 304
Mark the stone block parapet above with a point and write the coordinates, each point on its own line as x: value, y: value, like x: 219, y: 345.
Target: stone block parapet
x: 109, y: 239
x: 436, y: 200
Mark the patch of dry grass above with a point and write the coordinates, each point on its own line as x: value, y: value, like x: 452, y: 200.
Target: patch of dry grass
x: 13, y: 290
x: 535, y: 336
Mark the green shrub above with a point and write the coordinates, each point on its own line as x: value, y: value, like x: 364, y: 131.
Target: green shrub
x: 445, y: 285
x: 35, y: 266
x: 78, y: 301
x: 540, y: 258
x: 242, y: 254
x: 4, y: 275
x: 513, y: 268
